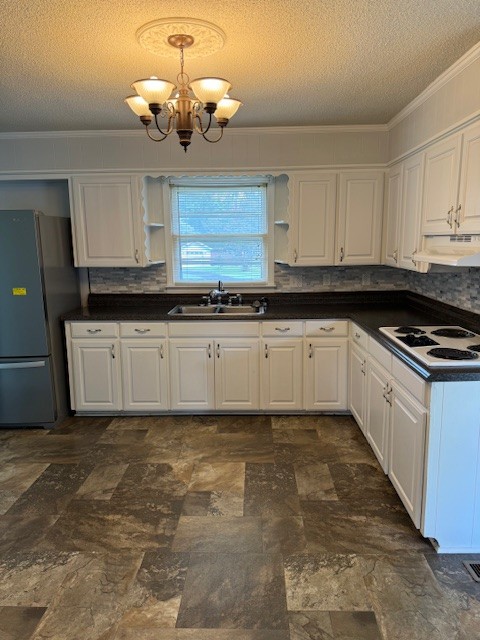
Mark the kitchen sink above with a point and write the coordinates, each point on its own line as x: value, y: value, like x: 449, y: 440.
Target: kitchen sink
x: 216, y: 310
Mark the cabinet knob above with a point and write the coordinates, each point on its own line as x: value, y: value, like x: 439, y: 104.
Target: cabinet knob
x: 357, y: 335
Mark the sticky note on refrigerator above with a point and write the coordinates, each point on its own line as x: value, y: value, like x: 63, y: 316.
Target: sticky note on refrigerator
x: 19, y: 291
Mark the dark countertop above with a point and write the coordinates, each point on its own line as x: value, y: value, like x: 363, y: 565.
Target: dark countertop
x: 370, y: 310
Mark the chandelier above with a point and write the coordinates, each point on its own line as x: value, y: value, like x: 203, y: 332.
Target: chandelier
x: 191, y: 105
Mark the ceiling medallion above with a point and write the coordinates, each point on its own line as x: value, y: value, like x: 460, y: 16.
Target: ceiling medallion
x: 208, y: 38
x: 182, y: 106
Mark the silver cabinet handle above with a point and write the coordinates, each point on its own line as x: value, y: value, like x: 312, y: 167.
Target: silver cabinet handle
x: 413, y: 256
x: 295, y: 255
x: 327, y: 329
x: 23, y: 365
x: 209, y: 350
x: 282, y: 329
x: 218, y: 351
x: 362, y: 368
x: 112, y: 350
x: 266, y: 351
x: 94, y: 330
x: 395, y: 254
x: 357, y: 335
x: 449, y: 217
x: 137, y: 259
x: 142, y: 330
x: 342, y: 254
x: 161, y: 351
x: 309, y: 350
x: 457, y: 215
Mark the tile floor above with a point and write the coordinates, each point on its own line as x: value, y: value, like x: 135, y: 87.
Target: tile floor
x: 215, y: 528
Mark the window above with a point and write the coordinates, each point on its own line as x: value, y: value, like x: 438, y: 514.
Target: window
x: 220, y: 231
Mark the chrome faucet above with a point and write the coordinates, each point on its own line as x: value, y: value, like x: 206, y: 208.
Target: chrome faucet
x: 216, y: 296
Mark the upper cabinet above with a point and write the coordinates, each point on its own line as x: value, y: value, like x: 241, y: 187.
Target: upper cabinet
x: 359, y: 220
x: 312, y: 229
x: 113, y: 225
x: 411, y: 209
x: 393, y: 213
x: 451, y: 199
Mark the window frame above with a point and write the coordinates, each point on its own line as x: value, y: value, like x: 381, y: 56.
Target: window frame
x: 220, y: 181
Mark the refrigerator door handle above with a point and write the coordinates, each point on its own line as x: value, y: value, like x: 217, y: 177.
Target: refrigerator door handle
x: 22, y: 365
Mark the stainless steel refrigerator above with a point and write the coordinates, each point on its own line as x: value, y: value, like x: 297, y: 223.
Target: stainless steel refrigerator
x: 37, y: 284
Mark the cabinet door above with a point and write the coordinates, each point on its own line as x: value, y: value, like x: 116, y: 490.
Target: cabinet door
x: 468, y: 215
x: 144, y: 375
x: 406, y: 451
x: 107, y: 221
x: 393, y: 212
x: 237, y: 380
x: 96, y: 375
x: 410, y: 237
x: 326, y: 374
x: 357, y: 384
x: 378, y: 411
x: 313, y: 218
x: 442, y: 166
x: 282, y: 373
x: 359, y: 225
x: 191, y: 373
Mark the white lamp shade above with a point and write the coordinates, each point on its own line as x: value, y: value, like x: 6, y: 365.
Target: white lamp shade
x: 153, y: 90
x: 210, y: 89
x: 138, y: 105
x: 227, y: 108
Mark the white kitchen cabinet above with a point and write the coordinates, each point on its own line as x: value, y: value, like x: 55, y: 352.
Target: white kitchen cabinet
x: 378, y: 414
x: 145, y: 374
x: 442, y: 167
x: 237, y: 378
x: 282, y: 385
x: 393, y: 213
x: 107, y: 221
x: 192, y: 382
x: 359, y: 218
x: 468, y: 205
x: 410, y: 218
x: 357, y: 385
x: 312, y: 229
x: 406, y: 460
x: 325, y: 378
x: 95, y: 374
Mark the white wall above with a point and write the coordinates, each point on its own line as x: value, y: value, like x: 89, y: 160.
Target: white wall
x: 50, y: 197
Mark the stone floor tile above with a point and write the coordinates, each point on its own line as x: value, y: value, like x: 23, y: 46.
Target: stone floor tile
x: 227, y: 447
x: 284, y: 535
x: 201, y: 634
x: 102, y: 482
x: 295, y: 436
x: 327, y: 582
x: 357, y: 625
x: 18, y: 623
x: 229, y: 591
x: 222, y: 535
x: 259, y: 426
x: 123, y: 436
x: 271, y: 490
x: 212, y: 503
x: 15, y: 479
x: 314, y: 481
x: 24, y: 532
x: 218, y: 476
x: 355, y: 483
x: 310, y: 625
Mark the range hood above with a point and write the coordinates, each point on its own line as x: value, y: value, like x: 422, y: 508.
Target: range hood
x: 451, y: 251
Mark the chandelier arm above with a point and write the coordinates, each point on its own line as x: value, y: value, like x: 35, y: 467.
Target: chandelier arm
x: 199, y: 127
x: 164, y: 133
x: 213, y: 141
x: 152, y: 138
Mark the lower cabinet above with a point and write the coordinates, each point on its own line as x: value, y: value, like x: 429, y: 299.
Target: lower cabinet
x: 144, y: 374
x: 378, y: 413
x: 407, y: 450
x: 326, y: 374
x: 95, y: 373
x: 357, y: 384
x: 192, y: 374
x: 237, y: 379
x: 282, y: 384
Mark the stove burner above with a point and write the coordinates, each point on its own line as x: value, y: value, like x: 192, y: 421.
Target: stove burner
x: 474, y: 347
x: 450, y: 332
x: 417, y: 341
x: 413, y: 330
x: 452, y: 354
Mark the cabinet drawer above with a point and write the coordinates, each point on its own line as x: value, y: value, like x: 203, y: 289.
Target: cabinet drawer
x: 408, y: 379
x: 381, y: 355
x: 209, y: 329
x: 358, y: 335
x: 327, y: 328
x: 143, y: 329
x: 94, y: 329
x: 282, y: 328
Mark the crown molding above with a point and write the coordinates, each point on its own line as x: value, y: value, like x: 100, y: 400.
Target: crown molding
x: 235, y: 131
x: 454, y: 70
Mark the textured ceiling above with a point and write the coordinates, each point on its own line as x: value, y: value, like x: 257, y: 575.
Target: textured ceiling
x: 67, y: 65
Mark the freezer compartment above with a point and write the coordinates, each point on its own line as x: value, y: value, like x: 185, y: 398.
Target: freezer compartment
x: 26, y: 392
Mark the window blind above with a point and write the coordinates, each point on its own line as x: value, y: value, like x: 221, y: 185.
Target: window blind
x: 219, y: 233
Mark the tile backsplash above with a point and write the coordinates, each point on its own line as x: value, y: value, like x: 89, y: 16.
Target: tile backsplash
x: 458, y: 287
